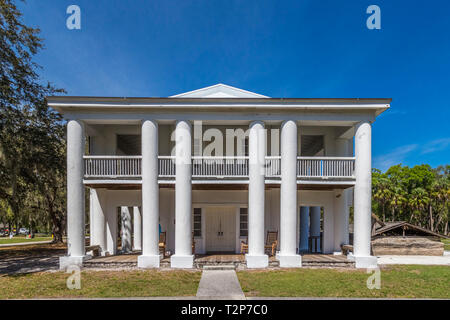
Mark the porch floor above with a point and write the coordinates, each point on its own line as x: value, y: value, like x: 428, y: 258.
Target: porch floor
x: 308, y: 260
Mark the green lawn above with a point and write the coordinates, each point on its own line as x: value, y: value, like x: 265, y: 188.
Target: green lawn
x: 96, y: 284
x: 396, y: 281
x: 446, y: 244
x: 19, y: 239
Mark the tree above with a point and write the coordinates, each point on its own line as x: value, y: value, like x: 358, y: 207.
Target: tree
x: 419, y: 195
x: 28, y: 128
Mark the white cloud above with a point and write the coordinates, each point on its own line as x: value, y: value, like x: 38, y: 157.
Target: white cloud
x: 397, y: 156
x: 436, y: 145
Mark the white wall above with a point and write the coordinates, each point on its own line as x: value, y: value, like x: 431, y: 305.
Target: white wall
x: 205, y: 198
x: 103, y: 137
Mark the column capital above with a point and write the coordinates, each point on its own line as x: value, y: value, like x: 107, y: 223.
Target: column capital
x: 287, y: 121
x: 149, y: 120
x: 255, y: 122
x: 188, y: 122
x: 363, y: 122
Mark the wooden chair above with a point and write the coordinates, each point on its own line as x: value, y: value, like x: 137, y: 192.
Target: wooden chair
x: 346, y: 249
x: 270, y: 247
x: 271, y: 242
x: 162, y: 244
x: 244, y: 246
x: 95, y: 249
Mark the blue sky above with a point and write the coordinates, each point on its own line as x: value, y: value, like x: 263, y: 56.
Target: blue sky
x: 313, y: 48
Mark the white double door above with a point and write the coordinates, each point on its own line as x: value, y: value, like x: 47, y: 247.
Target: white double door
x: 220, y: 229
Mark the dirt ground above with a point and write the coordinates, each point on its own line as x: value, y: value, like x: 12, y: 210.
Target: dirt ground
x: 32, y: 258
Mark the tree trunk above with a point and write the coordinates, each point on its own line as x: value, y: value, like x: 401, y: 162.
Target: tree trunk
x: 430, y: 209
x: 57, y: 227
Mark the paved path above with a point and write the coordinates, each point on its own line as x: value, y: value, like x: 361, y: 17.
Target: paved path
x: 221, y: 284
x: 24, y: 243
x: 424, y: 260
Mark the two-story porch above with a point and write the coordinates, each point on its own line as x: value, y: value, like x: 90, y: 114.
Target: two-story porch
x: 217, y: 167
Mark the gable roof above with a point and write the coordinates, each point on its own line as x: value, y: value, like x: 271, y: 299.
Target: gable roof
x: 219, y: 90
x: 397, y: 227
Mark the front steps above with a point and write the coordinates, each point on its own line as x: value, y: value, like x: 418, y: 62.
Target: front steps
x: 221, y: 262
x: 219, y: 267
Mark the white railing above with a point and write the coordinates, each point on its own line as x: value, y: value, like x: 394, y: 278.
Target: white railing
x: 273, y: 166
x: 112, y: 166
x: 219, y: 167
x: 166, y: 166
x: 325, y: 167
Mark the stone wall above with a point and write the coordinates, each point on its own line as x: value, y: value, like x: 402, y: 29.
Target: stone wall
x: 407, y: 246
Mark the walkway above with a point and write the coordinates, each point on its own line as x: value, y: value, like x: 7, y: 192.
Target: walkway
x: 423, y: 260
x: 219, y: 284
x: 24, y: 243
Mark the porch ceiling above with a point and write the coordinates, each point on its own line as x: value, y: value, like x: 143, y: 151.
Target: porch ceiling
x: 215, y: 186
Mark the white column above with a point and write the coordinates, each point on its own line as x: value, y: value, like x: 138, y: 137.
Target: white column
x: 304, y: 229
x: 137, y: 229
x: 256, y: 258
x: 315, y: 226
x: 98, y: 218
x: 126, y: 229
x: 340, y: 221
x: 91, y: 217
x: 111, y: 229
x: 75, y: 195
x: 288, y: 256
x: 150, y: 196
x: 341, y: 208
x: 363, y: 190
x: 183, y: 257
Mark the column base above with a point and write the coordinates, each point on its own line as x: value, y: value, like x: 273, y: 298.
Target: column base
x: 148, y: 262
x: 257, y: 261
x: 366, y: 262
x: 69, y: 261
x: 290, y: 261
x: 182, y: 262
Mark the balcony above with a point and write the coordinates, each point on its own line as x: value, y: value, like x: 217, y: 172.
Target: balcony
x: 312, y: 169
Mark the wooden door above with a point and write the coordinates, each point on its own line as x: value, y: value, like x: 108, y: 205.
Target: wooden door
x: 220, y: 229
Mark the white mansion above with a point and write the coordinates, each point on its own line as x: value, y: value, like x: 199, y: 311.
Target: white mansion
x: 218, y: 166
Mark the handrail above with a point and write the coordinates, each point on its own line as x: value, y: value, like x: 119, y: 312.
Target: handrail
x: 326, y: 158
x: 118, y: 166
x: 111, y: 157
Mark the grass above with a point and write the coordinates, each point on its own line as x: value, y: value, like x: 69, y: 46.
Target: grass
x: 446, y: 244
x: 396, y: 282
x: 19, y: 239
x: 100, y: 284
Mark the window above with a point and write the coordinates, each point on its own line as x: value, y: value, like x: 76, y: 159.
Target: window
x: 129, y: 144
x: 243, y: 222
x: 197, y: 222
x: 312, y: 146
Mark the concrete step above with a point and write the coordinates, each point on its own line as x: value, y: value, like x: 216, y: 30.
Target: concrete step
x: 219, y: 267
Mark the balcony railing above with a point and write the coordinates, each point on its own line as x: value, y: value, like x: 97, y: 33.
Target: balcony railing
x: 219, y: 167
x: 112, y: 166
x: 273, y: 166
x: 325, y: 167
x: 166, y: 166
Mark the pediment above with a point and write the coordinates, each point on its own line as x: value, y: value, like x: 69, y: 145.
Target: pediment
x: 219, y: 91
